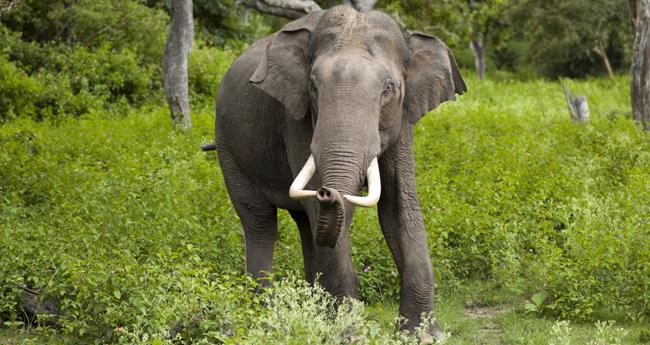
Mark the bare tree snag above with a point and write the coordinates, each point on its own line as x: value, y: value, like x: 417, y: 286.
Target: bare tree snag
x: 35, y: 309
x: 602, y: 54
x: 478, y: 50
x: 640, y: 84
x: 578, y: 106
x: 177, y: 50
x: 291, y: 9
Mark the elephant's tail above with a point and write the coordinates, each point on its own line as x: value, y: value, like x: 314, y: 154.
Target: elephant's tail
x: 209, y: 147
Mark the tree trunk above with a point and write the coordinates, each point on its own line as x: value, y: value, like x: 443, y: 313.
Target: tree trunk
x: 640, y: 85
x: 292, y: 9
x: 177, y: 50
x: 478, y: 50
x: 600, y: 51
x: 635, y: 13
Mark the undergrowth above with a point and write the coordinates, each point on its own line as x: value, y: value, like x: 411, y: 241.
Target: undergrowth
x: 127, y: 226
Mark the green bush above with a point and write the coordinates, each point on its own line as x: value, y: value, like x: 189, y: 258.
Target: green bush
x: 14, y: 85
x: 48, y: 80
x: 106, y: 73
x: 515, y: 192
x: 92, y: 23
x: 40, y: 96
x: 206, y: 68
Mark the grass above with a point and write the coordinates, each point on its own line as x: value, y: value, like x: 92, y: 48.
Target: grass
x: 127, y: 225
x: 483, y: 314
x: 480, y: 314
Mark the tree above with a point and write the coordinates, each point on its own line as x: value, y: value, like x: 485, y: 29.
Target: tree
x: 484, y: 18
x: 572, y: 37
x: 177, y: 50
x: 640, y: 84
x: 477, y: 22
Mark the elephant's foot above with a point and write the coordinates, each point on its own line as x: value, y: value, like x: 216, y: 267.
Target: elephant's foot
x: 434, y: 335
x: 428, y: 331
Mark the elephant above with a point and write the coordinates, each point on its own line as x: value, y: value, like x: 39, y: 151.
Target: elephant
x: 312, y: 114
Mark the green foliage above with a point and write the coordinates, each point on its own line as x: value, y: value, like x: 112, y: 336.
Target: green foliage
x: 127, y: 225
x: 207, y: 66
x: 510, y: 194
x: 14, y: 84
x: 92, y: 23
x: 561, y: 35
x: 144, y: 262
x: 45, y: 80
x: 226, y: 23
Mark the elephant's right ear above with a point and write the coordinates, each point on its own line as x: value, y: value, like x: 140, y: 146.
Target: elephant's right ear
x: 283, y: 72
x: 432, y: 76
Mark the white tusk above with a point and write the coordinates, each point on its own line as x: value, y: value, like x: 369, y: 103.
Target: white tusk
x: 374, y: 188
x: 297, y: 191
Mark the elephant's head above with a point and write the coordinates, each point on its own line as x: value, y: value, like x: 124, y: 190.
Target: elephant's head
x: 359, y: 80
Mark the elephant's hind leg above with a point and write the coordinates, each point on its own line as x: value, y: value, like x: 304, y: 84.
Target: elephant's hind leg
x: 257, y: 215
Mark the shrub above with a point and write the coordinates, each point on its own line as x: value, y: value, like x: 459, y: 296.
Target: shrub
x: 14, y: 85
x: 49, y: 80
x: 105, y: 72
x: 92, y: 23
x: 207, y: 66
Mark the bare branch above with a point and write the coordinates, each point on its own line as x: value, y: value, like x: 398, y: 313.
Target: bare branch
x: 361, y: 5
x: 7, y: 5
x: 291, y: 9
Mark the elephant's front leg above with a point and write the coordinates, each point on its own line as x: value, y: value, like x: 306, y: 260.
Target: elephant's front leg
x: 401, y: 222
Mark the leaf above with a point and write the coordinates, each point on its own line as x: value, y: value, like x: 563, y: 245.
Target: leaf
x: 531, y: 308
x: 539, y: 298
x: 117, y: 293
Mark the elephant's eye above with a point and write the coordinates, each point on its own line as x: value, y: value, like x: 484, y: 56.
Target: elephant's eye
x: 388, y: 88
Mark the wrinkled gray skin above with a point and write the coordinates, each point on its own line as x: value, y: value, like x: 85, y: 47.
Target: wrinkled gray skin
x: 345, y: 86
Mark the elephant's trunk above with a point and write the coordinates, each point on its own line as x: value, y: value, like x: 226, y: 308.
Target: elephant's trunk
x: 344, y: 146
x: 342, y: 175
x: 334, y: 214
x: 331, y: 217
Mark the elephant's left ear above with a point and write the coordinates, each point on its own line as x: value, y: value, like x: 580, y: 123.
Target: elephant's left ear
x: 432, y: 76
x: 283, y: 72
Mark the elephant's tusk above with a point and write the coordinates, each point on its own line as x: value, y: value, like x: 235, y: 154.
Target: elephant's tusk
x: 374, y: 188
x: 297, y: 191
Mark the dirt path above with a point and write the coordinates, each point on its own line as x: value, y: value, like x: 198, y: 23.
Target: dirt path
x: 491, y: 332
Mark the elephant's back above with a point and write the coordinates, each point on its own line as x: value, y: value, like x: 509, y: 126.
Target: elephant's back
x: 250, y: 124
x: 239, y: 101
